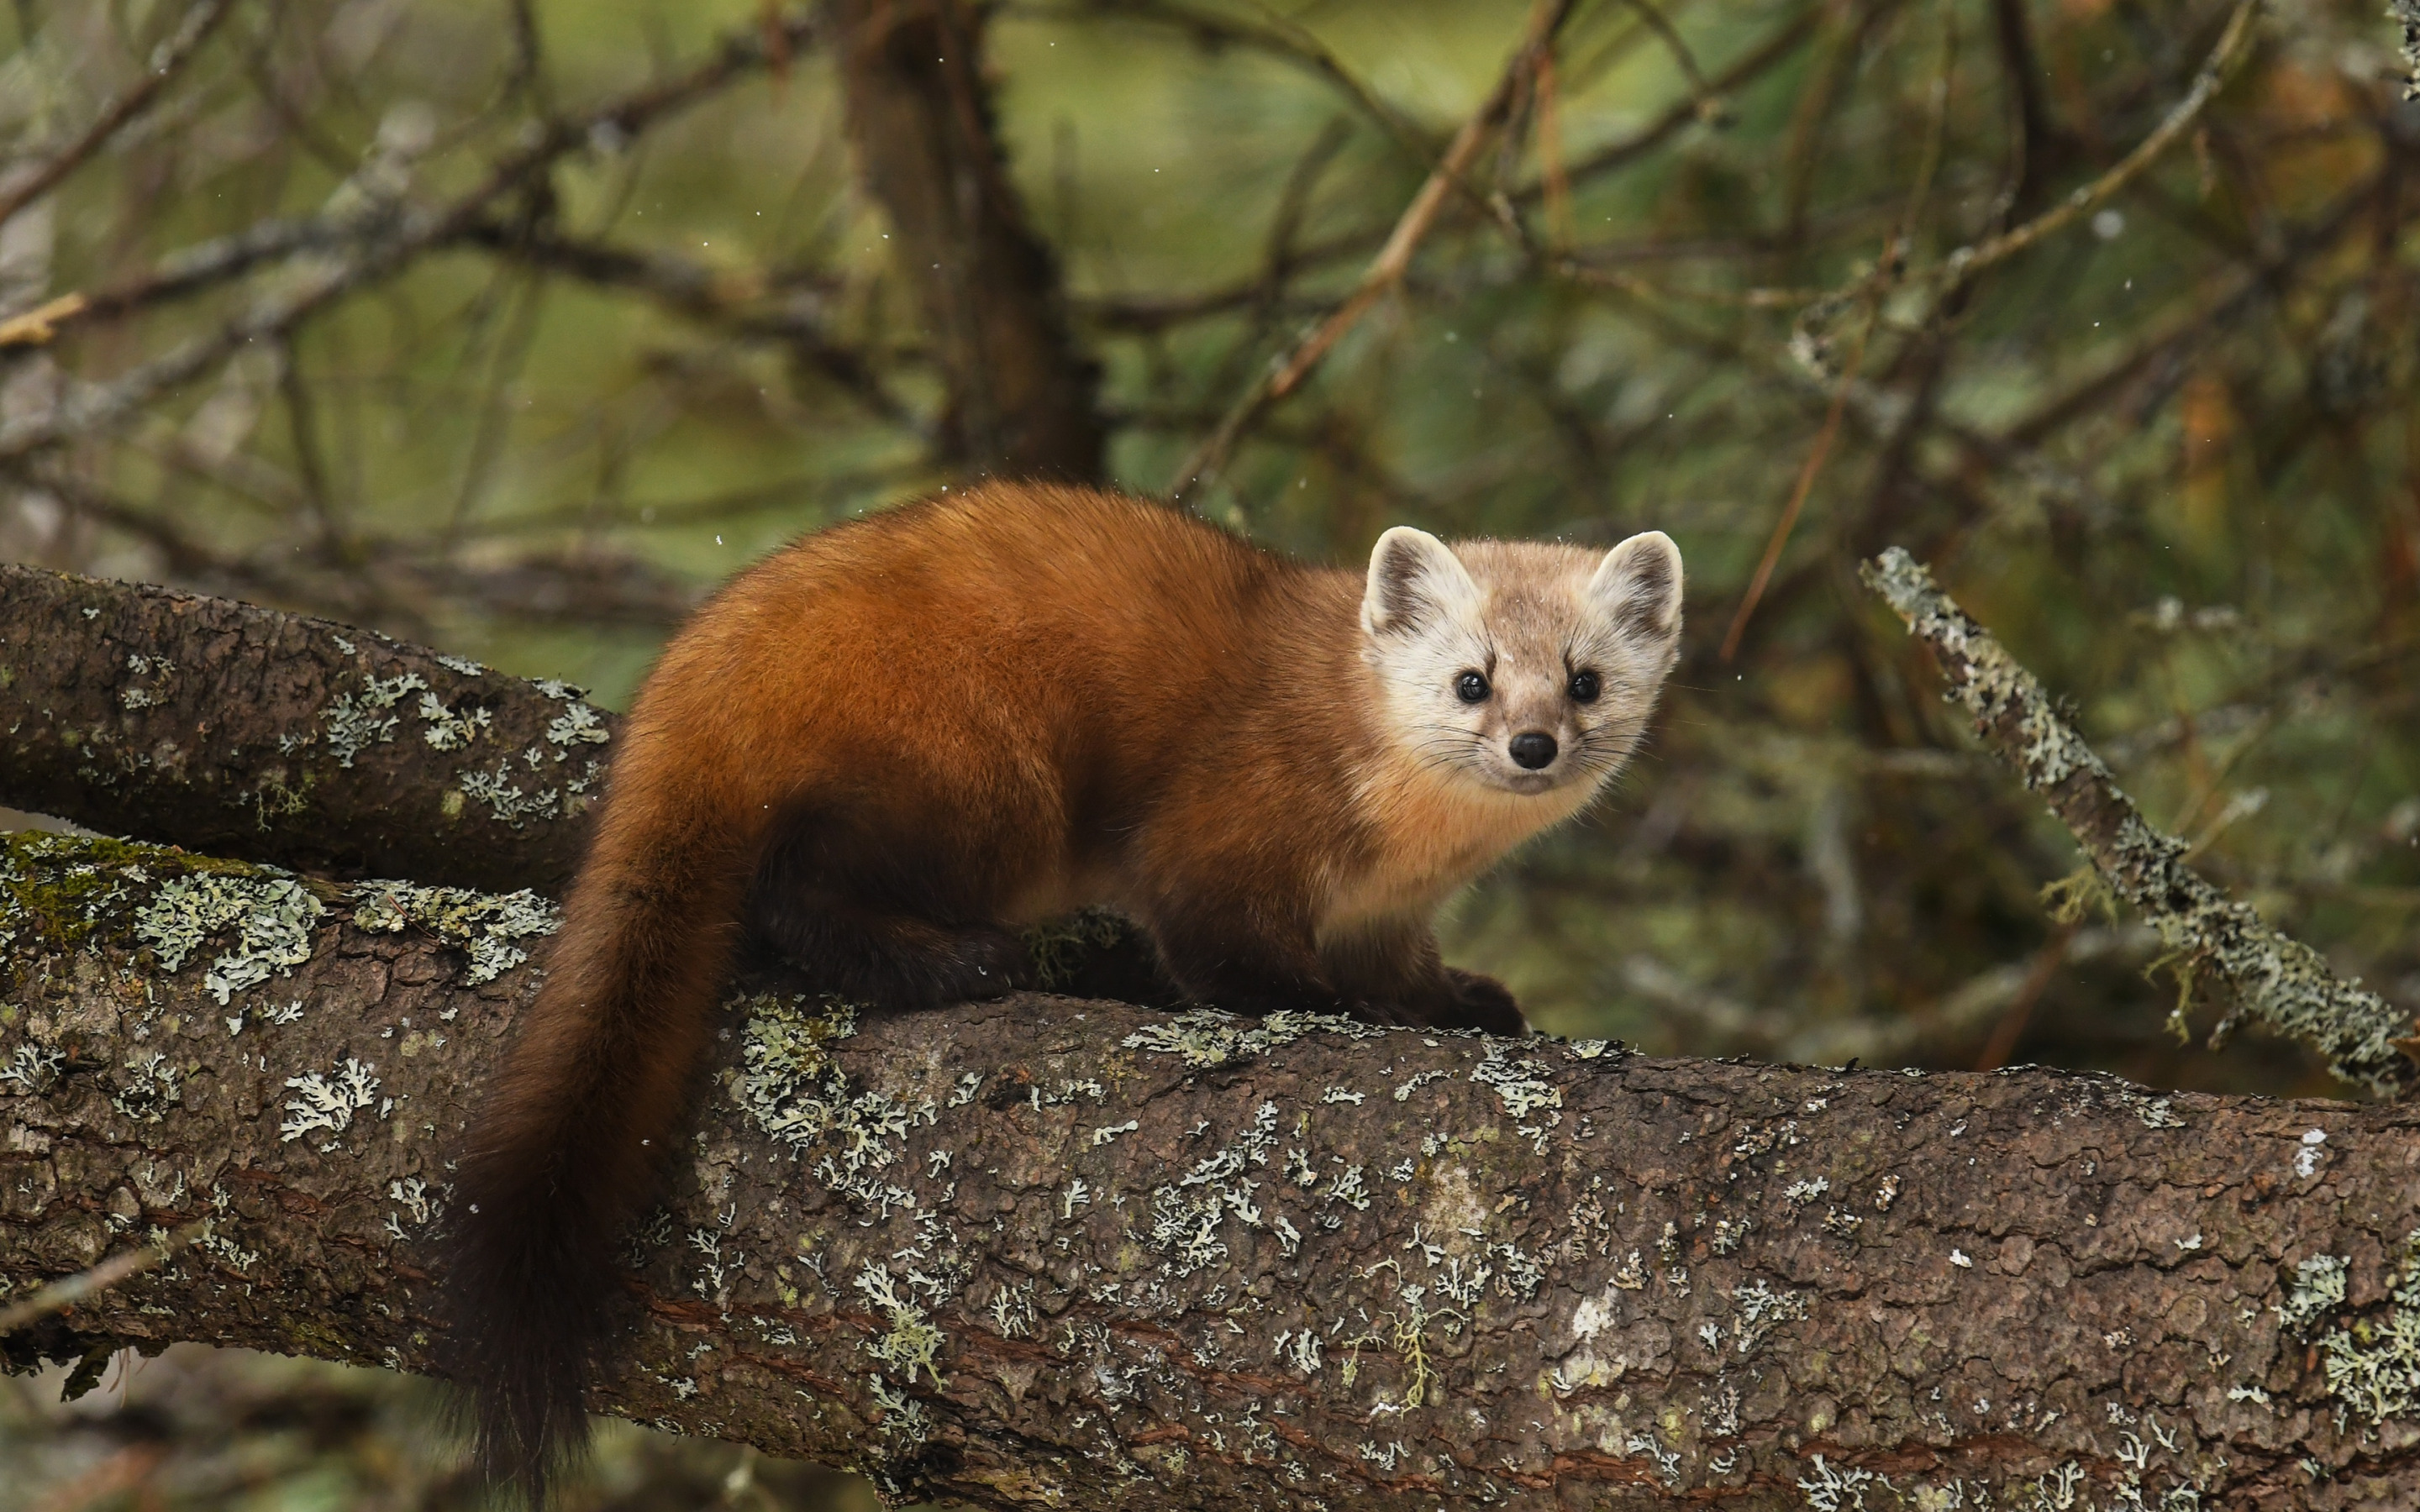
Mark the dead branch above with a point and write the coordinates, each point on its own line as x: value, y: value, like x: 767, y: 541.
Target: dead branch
x: 2268, y: 976
x: 159, y: 70
x: 1284, y: 375
x: 369, y: 232
x: 223, y: 727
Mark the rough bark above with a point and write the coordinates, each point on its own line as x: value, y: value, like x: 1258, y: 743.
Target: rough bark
x: 1022, y: 394
x: 248, y: 732
x: 1066, y: 1253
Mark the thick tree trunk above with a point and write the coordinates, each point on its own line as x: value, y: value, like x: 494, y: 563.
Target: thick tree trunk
x: 1072, y: 1253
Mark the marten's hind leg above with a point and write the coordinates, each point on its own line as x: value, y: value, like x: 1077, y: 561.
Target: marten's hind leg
x: 881, y: 919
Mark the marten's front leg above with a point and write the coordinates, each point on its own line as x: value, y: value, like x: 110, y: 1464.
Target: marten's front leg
x: 1250, y: 955
x: 1393, y: 966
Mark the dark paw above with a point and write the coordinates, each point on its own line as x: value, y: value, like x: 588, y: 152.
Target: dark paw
x: 1481, y: 1003
x: 979, y: 964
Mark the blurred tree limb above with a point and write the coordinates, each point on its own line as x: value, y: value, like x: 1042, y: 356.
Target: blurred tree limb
x: 1021, y: 393
x: 2268, y: 976
x: 369, y: 231
x: 1050, y: 1251
x: 160, y: 69
x: 277, y: 737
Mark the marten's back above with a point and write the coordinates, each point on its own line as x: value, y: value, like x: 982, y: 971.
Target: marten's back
x: 927, y: 647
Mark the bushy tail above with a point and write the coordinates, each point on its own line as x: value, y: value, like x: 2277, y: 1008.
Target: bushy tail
x: 568, y: 1144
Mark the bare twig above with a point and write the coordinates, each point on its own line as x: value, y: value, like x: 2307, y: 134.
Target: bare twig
x: 1277, y: 35
x: 1707, y: 99
x: 1798, y: 492
x: 376, y: 238
x: 1149, y: 315
x: 1287, y: 374
x: 2272, y: 977
x: 37, y: 325
x: 158, y: 71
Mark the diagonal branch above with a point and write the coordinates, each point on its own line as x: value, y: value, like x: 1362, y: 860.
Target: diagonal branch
x: 158, y: 71
x: 377, y: 237
x: 219, y: 726
x: 2273, y: 980
x: 1966, y: 262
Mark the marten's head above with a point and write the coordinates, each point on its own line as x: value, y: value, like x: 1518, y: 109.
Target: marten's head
x: 1524, y: 666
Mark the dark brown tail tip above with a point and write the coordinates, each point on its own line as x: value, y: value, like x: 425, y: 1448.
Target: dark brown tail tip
x: 529, y: 1288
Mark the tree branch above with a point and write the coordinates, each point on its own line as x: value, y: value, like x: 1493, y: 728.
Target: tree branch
x: 1051, y: 1252
x: 1057, y: 1251
x: 366, y: 233
x: 1200, y: 469
x: 219, y: 726
x: 2273, y: 978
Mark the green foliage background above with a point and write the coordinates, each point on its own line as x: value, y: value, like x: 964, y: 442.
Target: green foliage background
x: 2171, y: 452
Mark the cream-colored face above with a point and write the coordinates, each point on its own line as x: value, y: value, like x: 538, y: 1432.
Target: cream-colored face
x: 1525, y: 668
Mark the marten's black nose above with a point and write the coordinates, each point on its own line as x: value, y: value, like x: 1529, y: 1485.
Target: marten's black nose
x: 1533, y: 749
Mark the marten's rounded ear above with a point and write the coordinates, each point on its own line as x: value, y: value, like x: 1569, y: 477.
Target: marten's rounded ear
x: 1415, y: 580
x: 1638, y: 586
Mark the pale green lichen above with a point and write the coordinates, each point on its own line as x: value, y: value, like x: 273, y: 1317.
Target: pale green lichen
x: 786, y: 1069
x: 2372, y: 1365
x: 1520, y: 1085
x: 328, y: 1103
x: 1207, y: 1036
x: 451, y: 729
x: 791, y: 1088
x: 148, y: 1085
x: 913, y: 1342
x: 357, y: 721
x: 486, y: 925
x: 34, y: 1068
x: 1761, y: 1309
x: 271, y: 913
x: 507, y: 800
x: 578, y: 724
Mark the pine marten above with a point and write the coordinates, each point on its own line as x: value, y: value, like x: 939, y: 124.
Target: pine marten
x: 890, y: 745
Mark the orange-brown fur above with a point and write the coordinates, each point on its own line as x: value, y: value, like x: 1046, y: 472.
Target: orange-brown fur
x: 888, y: 745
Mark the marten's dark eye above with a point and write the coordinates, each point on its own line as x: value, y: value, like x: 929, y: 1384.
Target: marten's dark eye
x: 1471, y: 687
x: 1584, y: 687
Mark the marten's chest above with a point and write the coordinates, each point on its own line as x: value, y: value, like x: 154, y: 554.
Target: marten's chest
x: 1427, y: 834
